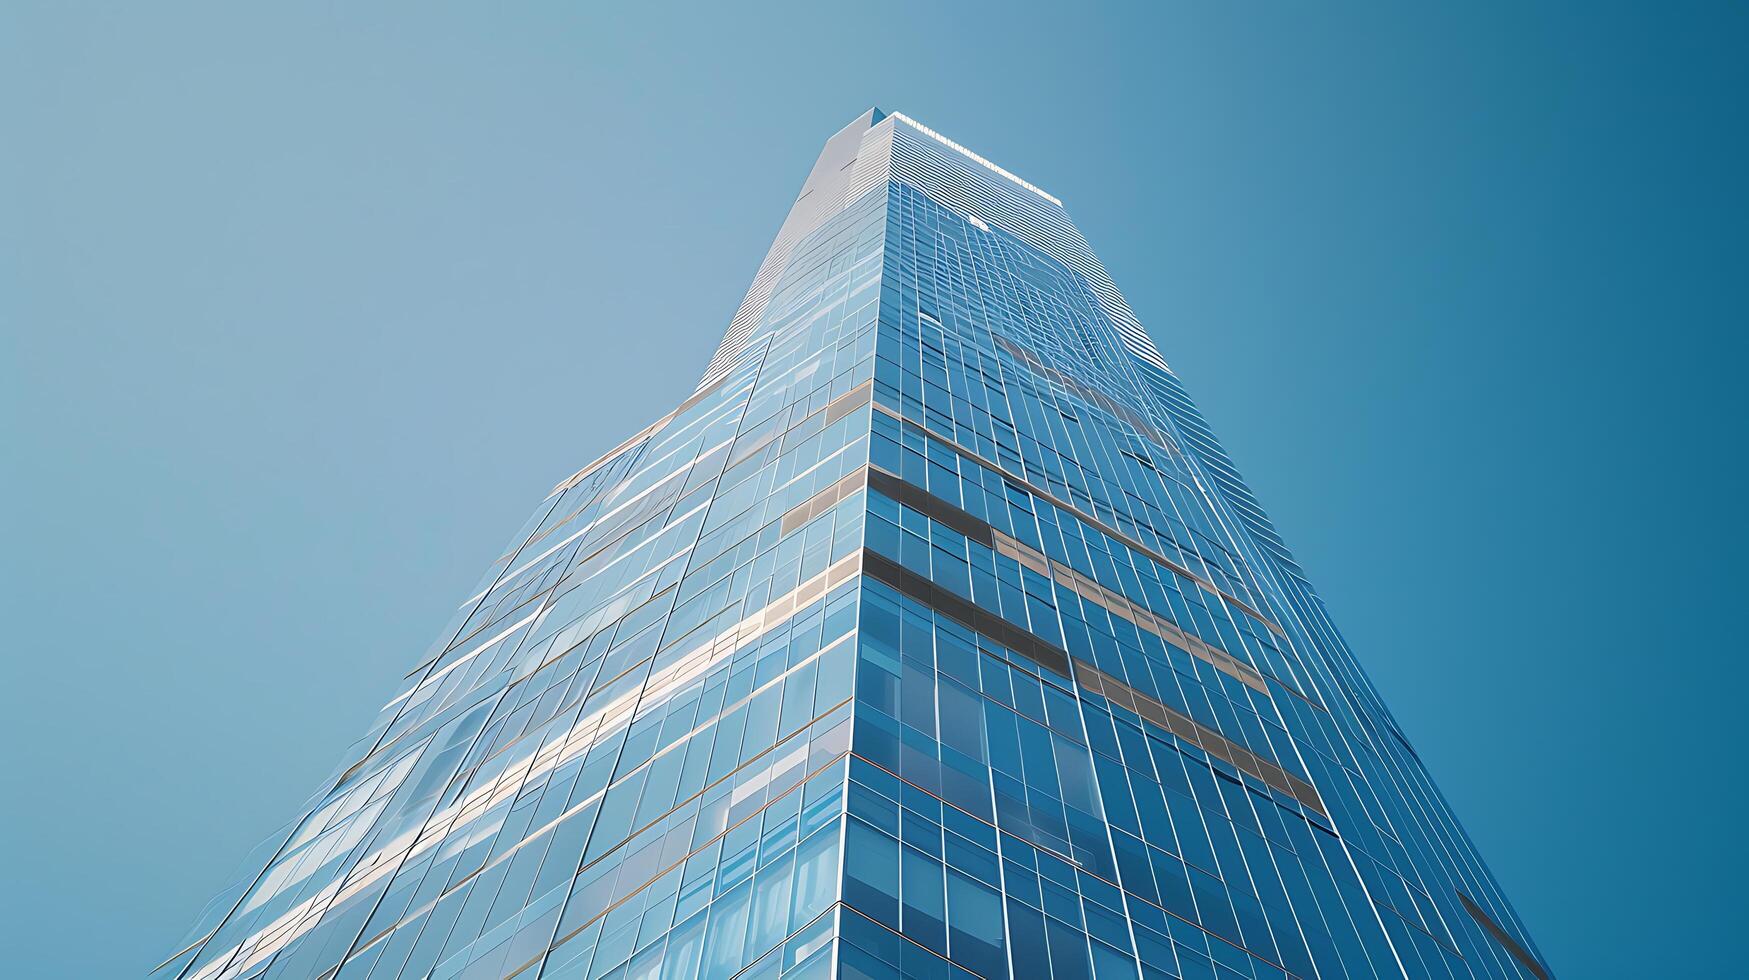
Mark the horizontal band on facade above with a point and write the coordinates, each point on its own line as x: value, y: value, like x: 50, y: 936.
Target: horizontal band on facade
x: 931, y: 506
x: 799, y: 515
x: 973, y: 528
x: 1016, y: 638
x: 1190, y: 730
x: 849, y: 402
x: 1133, y: 613
x: 1030, y: 646
x: 1503, y: 937
x: 1088, y: 519
x: 838, y: 408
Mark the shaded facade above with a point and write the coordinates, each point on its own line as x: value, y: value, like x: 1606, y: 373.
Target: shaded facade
x: 934, y: 635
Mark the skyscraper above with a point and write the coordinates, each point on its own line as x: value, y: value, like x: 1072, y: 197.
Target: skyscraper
x: 933, y: 635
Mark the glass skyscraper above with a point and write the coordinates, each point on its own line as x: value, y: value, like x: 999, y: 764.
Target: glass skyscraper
x: 934, y: 635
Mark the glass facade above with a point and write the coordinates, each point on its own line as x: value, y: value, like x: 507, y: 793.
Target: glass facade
x: 934, y: 635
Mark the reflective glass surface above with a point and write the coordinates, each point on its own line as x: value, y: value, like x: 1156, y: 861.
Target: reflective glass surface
x: 934, y: 635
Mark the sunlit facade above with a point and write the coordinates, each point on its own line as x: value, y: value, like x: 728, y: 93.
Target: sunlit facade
x: 933, y: 636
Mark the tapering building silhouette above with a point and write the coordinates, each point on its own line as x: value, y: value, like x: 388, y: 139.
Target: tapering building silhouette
x: 933, y: 635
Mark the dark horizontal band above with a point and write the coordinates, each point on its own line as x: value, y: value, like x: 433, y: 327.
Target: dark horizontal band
x: 1016, y: 638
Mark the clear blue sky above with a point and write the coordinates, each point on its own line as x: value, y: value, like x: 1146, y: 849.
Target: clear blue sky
x: 304, y: 307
